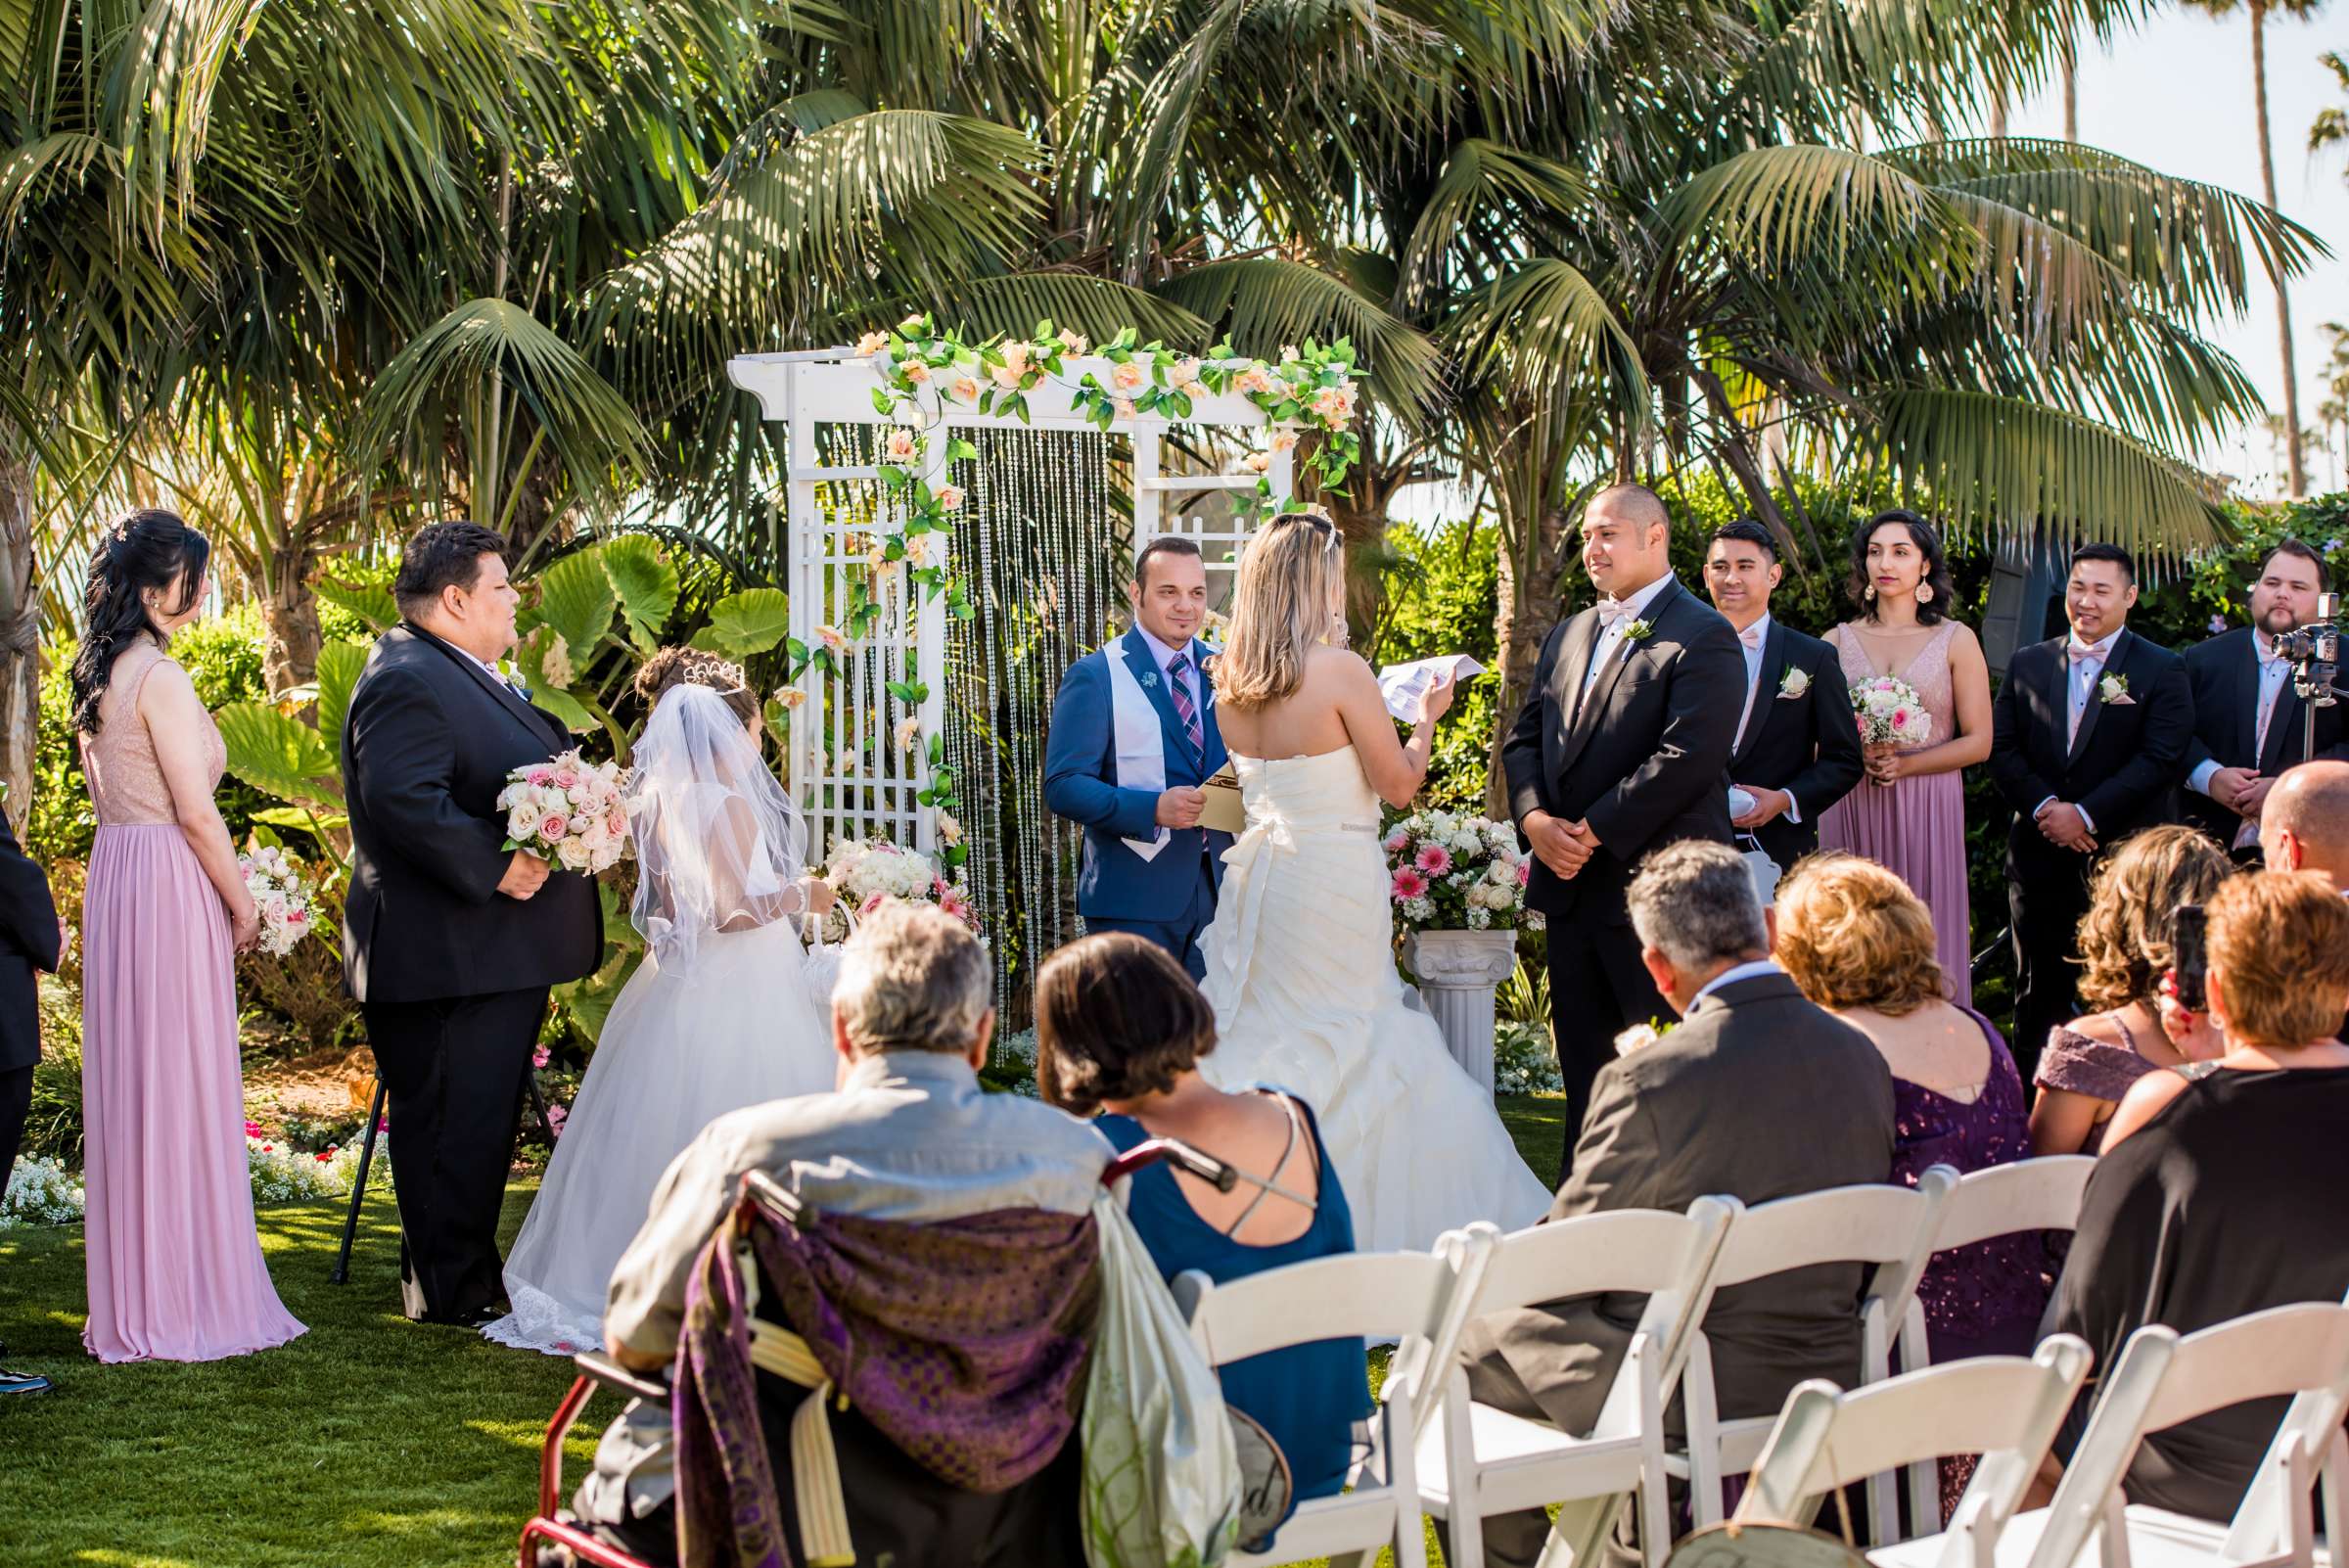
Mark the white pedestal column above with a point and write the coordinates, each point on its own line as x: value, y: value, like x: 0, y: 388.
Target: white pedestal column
x: 1459, y: 971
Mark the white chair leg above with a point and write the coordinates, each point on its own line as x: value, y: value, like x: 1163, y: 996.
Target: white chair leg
x: 1655, y: 1505
x: 1402, y: 1483
x: 1465, y: 1522
x: 1705, y: 1504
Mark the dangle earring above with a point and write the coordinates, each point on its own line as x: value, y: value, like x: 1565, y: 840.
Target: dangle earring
x: 1869, y: 593
x: 1924, y: 593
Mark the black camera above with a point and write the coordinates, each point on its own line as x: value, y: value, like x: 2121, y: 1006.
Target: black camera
x: 2314, y: 651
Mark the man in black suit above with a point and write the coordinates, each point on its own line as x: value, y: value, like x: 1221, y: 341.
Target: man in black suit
x: 1797, y: 750
x: 1758, y: 1094
x: 2087, y: 737
x: 2248, y: 721
x: 31, y: 937
x: 451, y: 943
x: 1621, y: 746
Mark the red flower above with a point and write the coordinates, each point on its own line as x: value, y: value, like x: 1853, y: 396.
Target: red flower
x: 1409, y: 884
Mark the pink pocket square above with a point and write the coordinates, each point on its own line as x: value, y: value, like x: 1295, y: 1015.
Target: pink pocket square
x: 2124, y: 699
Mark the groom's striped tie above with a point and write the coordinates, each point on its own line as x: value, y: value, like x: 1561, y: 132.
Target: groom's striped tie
x: 1178, y: 686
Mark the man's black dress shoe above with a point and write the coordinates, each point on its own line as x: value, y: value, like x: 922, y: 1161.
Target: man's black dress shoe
x: 475, y: 1319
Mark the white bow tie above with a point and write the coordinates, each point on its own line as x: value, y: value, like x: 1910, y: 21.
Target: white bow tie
x: 1611, y: 611
x: 1751, y: 636
x: 2081, y: 651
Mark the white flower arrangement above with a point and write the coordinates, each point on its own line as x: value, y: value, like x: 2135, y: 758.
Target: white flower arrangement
x: 41, y: 1191
x: 1637, y: 631
x: 2114, y: 689
x: 283, y: 1174
x: 567, y: 811
x: 868, y: 873
x: 284, y: 898
x: 1796, y: 683
x: 1524, y: 1061
x: 1450, y: 873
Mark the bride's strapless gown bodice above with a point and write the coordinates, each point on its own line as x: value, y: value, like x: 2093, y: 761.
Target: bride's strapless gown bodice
x: 1301, y: 972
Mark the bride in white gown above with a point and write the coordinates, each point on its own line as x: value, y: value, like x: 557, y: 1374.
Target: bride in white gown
x: 720, y: 1016
x: 1300, y: 959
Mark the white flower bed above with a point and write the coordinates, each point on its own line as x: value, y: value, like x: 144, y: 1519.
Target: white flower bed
x: 41, y: 1191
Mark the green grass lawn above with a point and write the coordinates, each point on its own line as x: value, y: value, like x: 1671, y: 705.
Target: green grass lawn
x: 368, y: 1443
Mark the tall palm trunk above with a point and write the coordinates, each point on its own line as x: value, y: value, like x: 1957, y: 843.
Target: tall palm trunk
x: 2071, y: 87
x: 291, y: 656
x: 20, y: 635
x: 2296, y: 468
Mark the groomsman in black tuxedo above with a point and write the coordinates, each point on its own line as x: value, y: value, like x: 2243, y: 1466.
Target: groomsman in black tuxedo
x: 2087, y: 737
x: 31, y: 937
x: 1797, y: 750
x: 449, y: 942
x: 2248, y: 721
x: 1621, y: 746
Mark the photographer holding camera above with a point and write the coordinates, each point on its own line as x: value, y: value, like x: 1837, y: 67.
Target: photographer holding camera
x: 2250, y: 720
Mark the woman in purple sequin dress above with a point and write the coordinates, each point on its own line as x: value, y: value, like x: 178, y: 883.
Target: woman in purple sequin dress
x: 1861, y: 945
x: 1910, y: 815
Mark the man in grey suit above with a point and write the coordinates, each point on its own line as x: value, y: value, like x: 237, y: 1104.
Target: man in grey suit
x: 1758, y: 1094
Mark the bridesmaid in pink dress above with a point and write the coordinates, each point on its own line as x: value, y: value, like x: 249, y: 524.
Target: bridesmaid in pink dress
x: 175, y: 1270
x: 1910, y: 814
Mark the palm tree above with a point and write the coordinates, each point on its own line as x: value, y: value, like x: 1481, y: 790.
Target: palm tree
x: 2258, y: 12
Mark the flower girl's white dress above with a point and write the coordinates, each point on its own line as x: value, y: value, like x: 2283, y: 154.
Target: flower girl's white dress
x: 1301, y: 972
x: 714, y: 1019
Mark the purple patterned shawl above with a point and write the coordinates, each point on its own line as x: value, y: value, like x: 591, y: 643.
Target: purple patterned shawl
x: 964, y: 1342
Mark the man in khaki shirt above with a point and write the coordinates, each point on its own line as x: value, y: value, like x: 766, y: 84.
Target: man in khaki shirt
x: 910, y: 1136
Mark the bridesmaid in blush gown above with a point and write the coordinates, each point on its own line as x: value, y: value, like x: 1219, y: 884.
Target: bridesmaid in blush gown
x: 1910, y: 816
x: 175, y: 1270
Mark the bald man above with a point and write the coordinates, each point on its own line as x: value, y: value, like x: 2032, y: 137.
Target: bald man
x: 2304, y: 826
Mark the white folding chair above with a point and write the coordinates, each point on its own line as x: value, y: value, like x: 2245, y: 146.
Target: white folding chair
x: 2004, y: 1407
x: 2161, y: 1380
x: 1419, y: 1298
x: 2038, y: 1194
x: 1870, y: 1224
x: 1478, y: 1460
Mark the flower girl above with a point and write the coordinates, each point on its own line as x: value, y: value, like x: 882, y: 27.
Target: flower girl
x: 720, y: 1016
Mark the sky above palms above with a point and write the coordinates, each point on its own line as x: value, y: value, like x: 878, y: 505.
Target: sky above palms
x: 2176, y: 94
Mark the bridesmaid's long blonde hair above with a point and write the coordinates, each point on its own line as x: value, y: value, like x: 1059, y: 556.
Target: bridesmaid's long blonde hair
x: 1290, y: 583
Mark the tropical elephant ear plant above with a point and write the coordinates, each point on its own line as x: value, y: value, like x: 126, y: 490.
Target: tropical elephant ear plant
x: 923, y: 375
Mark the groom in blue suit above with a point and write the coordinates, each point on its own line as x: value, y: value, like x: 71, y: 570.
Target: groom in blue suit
x: 1134, y: 738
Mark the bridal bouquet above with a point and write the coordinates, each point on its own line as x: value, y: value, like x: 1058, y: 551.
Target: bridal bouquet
x: 567, y: 810
x: 284, y: 897
x: 1447, y: 872
x: 1891, y: 712
x: 868, y: 873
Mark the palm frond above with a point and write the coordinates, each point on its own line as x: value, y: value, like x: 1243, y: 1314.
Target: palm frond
x: 1263, y: 302
x: 1097, y: 306
x: 1541, y: 329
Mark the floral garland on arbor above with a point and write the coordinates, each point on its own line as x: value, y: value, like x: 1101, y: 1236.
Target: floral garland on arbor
x: 1311, y: 386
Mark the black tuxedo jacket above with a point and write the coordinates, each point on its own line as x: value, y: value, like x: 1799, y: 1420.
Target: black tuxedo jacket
x: 427, y: 745
x: 1646, y: 759
x: 27, y: 942
x: 1808, y: 746
x: 2120, y: 768
x: 2224, y: 675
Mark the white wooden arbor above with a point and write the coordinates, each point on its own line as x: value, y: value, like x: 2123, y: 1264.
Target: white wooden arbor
x: 844, y: 767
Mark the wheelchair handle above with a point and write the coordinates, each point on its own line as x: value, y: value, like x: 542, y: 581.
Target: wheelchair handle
x: 1206, y: 1166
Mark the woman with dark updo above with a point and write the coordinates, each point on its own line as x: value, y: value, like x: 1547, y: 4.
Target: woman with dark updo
x: 175, y: 1270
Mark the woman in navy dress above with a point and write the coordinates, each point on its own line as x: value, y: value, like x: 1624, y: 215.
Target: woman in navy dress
x: 1119, y: 1031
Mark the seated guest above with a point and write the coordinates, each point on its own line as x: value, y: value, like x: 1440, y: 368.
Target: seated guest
x: 2217, y: 1194
x: 2304, y: 826
x: 1120, y: 1028
x: 2124, y: 942
x: 909, y: 1137
x: 1759, y: 1094
x: 1861, y: 946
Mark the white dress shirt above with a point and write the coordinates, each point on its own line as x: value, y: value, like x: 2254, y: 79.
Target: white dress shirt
x: 1611, y: 635
x: 2274, y: 672
x: 1751, y: 642
x: 1730, y: 977
x: 2083, y: 667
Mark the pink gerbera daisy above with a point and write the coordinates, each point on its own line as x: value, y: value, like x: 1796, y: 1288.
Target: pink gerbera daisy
x: 1398, y: 841
x: 1409, y: 884
x: 1435, y: 860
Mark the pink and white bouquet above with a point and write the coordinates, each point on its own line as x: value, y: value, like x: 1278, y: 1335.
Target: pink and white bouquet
x: 1447, y: 872
x: 866, y: 873
x: 567, y: 810
x: 285, y: 898
x: 1890, y: 711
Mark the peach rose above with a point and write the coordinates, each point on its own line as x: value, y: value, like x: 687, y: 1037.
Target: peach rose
x: 949, y: 496
x: 871, y: 343
x: 917, y: 372
x: 902, y: 447
x: 1128, y: 376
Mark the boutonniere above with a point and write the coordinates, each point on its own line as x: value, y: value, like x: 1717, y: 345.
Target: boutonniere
x: 1795, y: 684
x: 2114, y: 690
x: 1637, y: 631
x: 1149, y: 677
